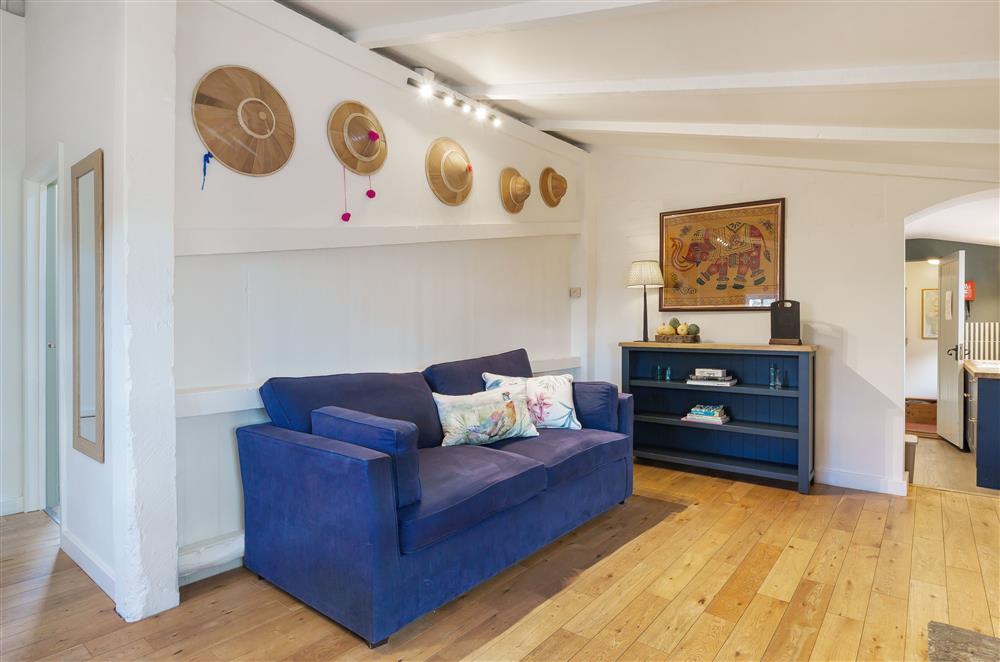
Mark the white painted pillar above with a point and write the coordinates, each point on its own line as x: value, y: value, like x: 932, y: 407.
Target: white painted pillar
x: 144, y: 444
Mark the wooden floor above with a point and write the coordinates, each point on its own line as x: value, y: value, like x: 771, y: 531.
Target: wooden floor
x: 741, y: 572
x: 940, y: 464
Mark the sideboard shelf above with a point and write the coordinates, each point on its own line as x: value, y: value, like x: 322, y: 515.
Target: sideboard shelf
x: 757, y: 468
x: 783, y: 431
x: 771, y: 431
x: 753, y: 389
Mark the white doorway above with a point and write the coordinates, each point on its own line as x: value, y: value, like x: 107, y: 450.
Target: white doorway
x: 51, y: 277
x: 952, y: 276
x: 43, y: 333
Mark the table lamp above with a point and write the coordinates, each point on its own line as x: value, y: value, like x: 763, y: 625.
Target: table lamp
x: 645, y: 273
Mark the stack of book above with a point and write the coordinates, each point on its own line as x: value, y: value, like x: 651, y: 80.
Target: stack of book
x: 714, y: 414
x: 710, y: 377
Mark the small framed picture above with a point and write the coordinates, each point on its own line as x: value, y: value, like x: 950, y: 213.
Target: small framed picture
x: 930, y: 304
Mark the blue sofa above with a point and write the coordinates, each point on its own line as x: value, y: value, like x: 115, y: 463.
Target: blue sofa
x: 352, y: 505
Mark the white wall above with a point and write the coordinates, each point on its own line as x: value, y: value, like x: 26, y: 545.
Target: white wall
x: 12, y: 109
x: 72, y: 56
x: 102, y: 77
x: 921, y: 353
x: 243, y: 317
x: 843, y: 261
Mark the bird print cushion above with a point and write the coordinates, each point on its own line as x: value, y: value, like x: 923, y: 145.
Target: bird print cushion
x: 550, y: 398
x: 485, y: 417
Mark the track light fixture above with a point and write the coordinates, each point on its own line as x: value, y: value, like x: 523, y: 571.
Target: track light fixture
x: 427, y: 88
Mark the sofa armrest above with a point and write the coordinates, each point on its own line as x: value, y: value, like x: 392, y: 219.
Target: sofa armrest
x: 320, y: 522
x: 626, y: 413
x: 626, y: 423
x: 596, y: 405
x: 395, y: 438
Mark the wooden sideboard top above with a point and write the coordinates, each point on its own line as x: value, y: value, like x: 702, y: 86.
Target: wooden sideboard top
x: 983, y: 369
x: 695, y: 346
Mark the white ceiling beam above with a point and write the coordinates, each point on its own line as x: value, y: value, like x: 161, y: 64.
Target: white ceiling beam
x: 780, y: 131
x: 857, y: 76
x: 494, y: 19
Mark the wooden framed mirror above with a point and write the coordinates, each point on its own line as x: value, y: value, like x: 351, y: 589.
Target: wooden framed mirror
x: 88, y: 305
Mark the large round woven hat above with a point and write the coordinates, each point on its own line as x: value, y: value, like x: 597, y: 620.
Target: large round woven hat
x: 449, y: 172
x: 243, y: 121
x: 551, y: 186
x: 514, y: 190
x: 357, y: 138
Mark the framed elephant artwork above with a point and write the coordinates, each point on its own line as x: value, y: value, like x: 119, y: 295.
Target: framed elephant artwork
x: 729, y: 257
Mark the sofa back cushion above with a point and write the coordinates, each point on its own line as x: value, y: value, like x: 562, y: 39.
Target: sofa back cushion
x: 290, y: 401
x: 465, y: 377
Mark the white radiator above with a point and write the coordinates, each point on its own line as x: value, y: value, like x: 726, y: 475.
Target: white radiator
x: 982, y: 340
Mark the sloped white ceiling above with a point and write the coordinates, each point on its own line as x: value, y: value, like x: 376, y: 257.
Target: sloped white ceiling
x: 881, y: 65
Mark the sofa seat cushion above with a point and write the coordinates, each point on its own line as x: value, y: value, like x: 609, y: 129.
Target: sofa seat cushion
x: 569, y: 454
x: 462, y: 486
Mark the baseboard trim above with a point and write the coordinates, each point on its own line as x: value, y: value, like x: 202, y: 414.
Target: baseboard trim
x: 88, y: 562
x: 11, y: 506
x: 209, y: 557
x: 865, y: 482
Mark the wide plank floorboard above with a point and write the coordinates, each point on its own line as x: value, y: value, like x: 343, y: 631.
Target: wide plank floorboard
x: 693, y: 567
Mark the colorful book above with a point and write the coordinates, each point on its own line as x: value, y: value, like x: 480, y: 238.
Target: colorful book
x: 716, y: 411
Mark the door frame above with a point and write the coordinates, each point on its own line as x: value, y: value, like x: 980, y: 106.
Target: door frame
x: 35, y: 182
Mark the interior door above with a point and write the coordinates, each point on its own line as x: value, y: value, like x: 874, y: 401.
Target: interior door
x: 951, y: 348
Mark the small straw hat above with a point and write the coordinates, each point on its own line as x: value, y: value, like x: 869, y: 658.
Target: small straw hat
x: 357, y: 138
x: 552, y: 187
x: 449, y: 172
x: 243, y: 121
x: 514, y: 190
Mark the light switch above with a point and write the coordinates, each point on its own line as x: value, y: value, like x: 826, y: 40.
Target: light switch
x: 575, y: 292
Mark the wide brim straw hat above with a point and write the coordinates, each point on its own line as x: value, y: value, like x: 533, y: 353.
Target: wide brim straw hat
x: 449, y: 171
x: 514, y: 190
x: 357, y: 138
x: 551, y: 186
x: 243, y: 121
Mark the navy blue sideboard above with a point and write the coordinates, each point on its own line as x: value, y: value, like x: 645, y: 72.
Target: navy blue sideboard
x: 771, y: 432
x: 982, y: 426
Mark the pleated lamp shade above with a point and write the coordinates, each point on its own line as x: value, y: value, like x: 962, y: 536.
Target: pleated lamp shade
x: 645, y: 272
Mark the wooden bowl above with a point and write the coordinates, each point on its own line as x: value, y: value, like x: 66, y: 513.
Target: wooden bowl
x: 675, y: 338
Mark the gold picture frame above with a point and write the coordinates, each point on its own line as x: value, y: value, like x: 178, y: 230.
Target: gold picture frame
x: 88, y: 305
x: 727, y: 257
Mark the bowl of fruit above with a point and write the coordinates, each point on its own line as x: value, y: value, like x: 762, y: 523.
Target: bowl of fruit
x: 677, y: 331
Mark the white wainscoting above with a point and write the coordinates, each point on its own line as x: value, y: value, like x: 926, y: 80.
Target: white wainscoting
x: 243, y: 397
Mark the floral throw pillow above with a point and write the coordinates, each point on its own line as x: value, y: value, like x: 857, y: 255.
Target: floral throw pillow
x: 485, y: 417
x: 550, y: 398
